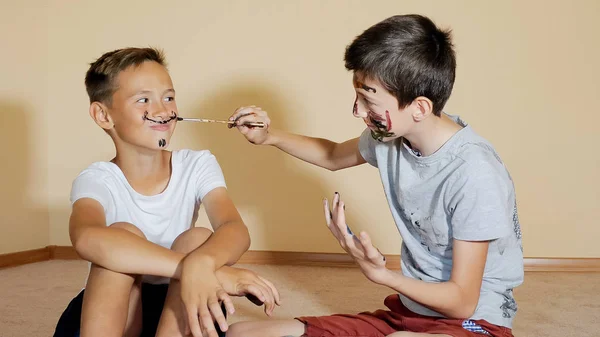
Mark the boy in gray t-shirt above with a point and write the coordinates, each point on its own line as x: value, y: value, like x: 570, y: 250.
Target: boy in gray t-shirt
x: 451, y: 197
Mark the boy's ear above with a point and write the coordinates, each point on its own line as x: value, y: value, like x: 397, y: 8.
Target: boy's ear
x: 99, y: 114
x: 423, y: 108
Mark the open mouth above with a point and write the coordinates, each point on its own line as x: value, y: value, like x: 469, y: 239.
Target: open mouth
x: 165, y: 121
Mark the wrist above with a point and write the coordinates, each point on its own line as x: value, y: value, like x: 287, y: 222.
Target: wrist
x: 272, y: 138
x: 200, y: 261
x: 391, y: 279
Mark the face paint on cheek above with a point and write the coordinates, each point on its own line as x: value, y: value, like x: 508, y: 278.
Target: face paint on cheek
x: 376, y: 121
x: 384, y: 130
x: 162, y: 143
x: 388, y: 121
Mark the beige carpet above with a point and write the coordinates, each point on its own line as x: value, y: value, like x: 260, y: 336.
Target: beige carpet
x: 550, y: 304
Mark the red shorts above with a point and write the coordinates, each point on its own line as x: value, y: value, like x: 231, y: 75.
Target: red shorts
x: 399, y: 318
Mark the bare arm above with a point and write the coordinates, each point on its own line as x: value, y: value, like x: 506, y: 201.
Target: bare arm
x: 456, y: 298
x: 321, y: 152
x: 318, y: 151
x: 230, y: 239
x: 115, y: 248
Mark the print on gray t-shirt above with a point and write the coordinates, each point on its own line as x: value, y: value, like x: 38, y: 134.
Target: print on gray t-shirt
x: 463, y: 192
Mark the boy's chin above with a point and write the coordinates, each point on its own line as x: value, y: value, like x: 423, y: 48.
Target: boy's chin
x: 383, y: 136
x: 161, y: 144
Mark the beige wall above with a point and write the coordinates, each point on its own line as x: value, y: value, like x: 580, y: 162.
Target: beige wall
x: 23, y: 128
x: 527, y: 80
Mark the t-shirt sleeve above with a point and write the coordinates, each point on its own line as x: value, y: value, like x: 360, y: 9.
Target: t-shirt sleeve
x: 366, y: 146
x: 209, y: 175
x: 480, y: 203
x: 91, y: 184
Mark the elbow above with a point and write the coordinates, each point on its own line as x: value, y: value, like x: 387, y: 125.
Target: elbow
x: 465, y: 310
x: 241, y: 232
x: 247, y: 240
x: 83, y: 243
x: 333, y: 166
x: 79, y: 241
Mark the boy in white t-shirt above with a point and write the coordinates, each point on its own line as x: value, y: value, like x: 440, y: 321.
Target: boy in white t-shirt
x: 133, y: 217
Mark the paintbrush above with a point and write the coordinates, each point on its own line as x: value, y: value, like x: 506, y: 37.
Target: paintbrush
x: 229, y: 123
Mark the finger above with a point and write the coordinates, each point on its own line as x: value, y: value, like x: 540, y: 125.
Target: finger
x: 241, y: 111
x: 193, y: 323
x: 334, y: 205
x: 340, y: 221
x: 254, y: 291
x: 327, y: 211
x: 186, y: 323
x: 270, y: 302
x: 206, y: 320
x: 245, y: 120
x: 217, y: 314
x: 273, y: 289
x: 383, y: 256
x: 268, y: 296
x: 330, y: 222
x: 263, y: 295
x: 224, y: 297
x: 347, y: 239
x: 370, y: 251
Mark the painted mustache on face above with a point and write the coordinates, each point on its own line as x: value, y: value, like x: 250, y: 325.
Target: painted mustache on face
x: 172, y: 117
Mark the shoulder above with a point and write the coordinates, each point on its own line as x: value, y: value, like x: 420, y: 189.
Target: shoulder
x: 98, y: 172
x: 479, y: 166
x: 200, y: 164
x: 476, y: 154
x: 98, y: 181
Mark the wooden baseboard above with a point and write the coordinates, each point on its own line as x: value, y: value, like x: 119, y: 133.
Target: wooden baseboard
x: 562, y: 264
x: 63, y: 253
x: 393, y: 261
x: 305, y: 259
x: 28, y: 256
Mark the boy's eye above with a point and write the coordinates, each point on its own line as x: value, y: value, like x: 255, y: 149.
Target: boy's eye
x: 142, y: 100
x: 169, y: 99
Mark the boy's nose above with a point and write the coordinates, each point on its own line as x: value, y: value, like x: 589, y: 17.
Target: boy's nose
x: 160, y: 111
x: 359, y: 110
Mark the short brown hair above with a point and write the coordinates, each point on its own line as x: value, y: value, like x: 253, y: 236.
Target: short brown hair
x: 100, y: 78
x: 410, y: 56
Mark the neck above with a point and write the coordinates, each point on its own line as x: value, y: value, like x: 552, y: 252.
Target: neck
x: 140, y: 165
x: 432, y: 133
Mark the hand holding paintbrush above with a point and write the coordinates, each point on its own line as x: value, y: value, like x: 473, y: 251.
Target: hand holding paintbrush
x: 230, y: 124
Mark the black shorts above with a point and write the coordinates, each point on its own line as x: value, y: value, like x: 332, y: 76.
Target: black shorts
x: 153, y: 300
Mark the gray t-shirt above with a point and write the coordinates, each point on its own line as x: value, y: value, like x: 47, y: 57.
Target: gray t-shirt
x: 463, y: 192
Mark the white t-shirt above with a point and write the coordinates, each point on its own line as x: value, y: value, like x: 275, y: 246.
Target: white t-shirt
x: 160, y: 217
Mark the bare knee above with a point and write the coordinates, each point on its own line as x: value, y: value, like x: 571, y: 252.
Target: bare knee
x: 240, y: 329
x: 191, y: 239
x: 129, y: 227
